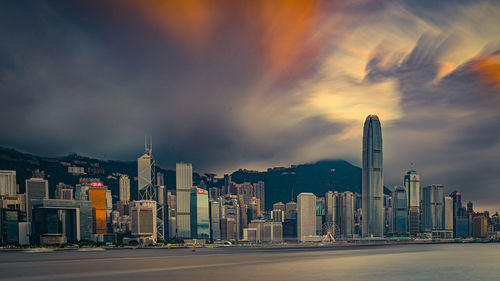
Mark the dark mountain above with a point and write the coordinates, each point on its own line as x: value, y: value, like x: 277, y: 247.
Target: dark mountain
x: 317, y: 178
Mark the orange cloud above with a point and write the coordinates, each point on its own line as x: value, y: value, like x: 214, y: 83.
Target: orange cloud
x: 188, y: 21
x: 285, y: 35
x: 488, y: 69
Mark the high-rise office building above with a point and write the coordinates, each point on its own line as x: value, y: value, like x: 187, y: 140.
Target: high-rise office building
x: 171, y: 214
x: 470, y: 207
x: 372, y: 178
x: 64, y: 192
x: 291, y: 210
x: 215, y: 220
x: 400, y: 207
x: 330, y: 206
x: 448, y: 213
x: 413, y: 191
x: 253, y: 210
x: 412, y: 185
x: 184, y: 184
x: 460, y: 220
x: 245, y: 193
x: 320, y: 214
x: 145, y: 180
x: 214, y: 193
x: 306, y: 216
x: 227, y: 185
x: 200, y: 216
x: 9, y: 226
x: 230, y: 217
x: 143, y: 213
x: 260, y: 193
x: 479, y: 227
x: 97, y: 195
x: 7, y: 183
x: 125, y: 188
x: 345, y: 213
x: 160, y: 178
x: 432, y: 207
x: 36, y: 188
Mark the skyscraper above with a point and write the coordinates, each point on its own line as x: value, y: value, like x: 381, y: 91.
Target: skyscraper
x: 145, y: 183
x: 345, y: 214
x: 124, y: 188
x: 372, y: 178
x: 214, y: 220
x: 460, y: 221
x: 7, y: 183
x: 97, y: 195
x: 291, y: 210
x: 400, y: 211
x: 36, y: 188
x: 306, y: 216
x: 184, y: 183
x: 260, y: 192
x: 200, y: 217
x: 144, y: 218
x: 448, y: 213
x: 331, y: 206
x: 412, y: 185
x: 432, y: 207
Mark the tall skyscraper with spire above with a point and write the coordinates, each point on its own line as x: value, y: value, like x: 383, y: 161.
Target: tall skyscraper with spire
x: 412, y: 186
x: 146, y: 173
x: 372, y: 179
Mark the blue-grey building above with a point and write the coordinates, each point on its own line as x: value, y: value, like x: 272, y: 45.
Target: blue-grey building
x: 433, y: 207
x: 215, y: 220
x: 9, y: 226
x: 400, y: 211
x: 200, y: 217
x: 372, y: 179
x: 462, y: 227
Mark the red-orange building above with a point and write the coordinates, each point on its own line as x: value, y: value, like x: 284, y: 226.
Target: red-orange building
x: 98, y: 197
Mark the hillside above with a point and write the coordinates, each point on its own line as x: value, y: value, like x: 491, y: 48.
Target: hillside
x: 317, y: 178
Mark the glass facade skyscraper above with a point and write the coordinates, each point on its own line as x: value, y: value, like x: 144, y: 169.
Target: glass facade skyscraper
x: 400, y: 211
x: 200, y: 217
x: 372, y: 178
x: 432, y: 207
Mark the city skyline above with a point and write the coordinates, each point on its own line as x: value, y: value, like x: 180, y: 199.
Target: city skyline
x: 256, y: 139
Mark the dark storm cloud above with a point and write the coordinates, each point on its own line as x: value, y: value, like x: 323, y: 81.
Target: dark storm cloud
x: 95, y: 79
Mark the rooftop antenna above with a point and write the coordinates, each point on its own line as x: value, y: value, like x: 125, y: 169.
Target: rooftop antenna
x: 148, y: 145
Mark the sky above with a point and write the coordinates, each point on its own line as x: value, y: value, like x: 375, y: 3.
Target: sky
x: 257, y: 84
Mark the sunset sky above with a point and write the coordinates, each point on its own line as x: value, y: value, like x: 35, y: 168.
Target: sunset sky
x: 256, y: 84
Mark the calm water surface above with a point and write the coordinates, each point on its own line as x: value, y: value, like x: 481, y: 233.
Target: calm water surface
x: 403, y: 262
